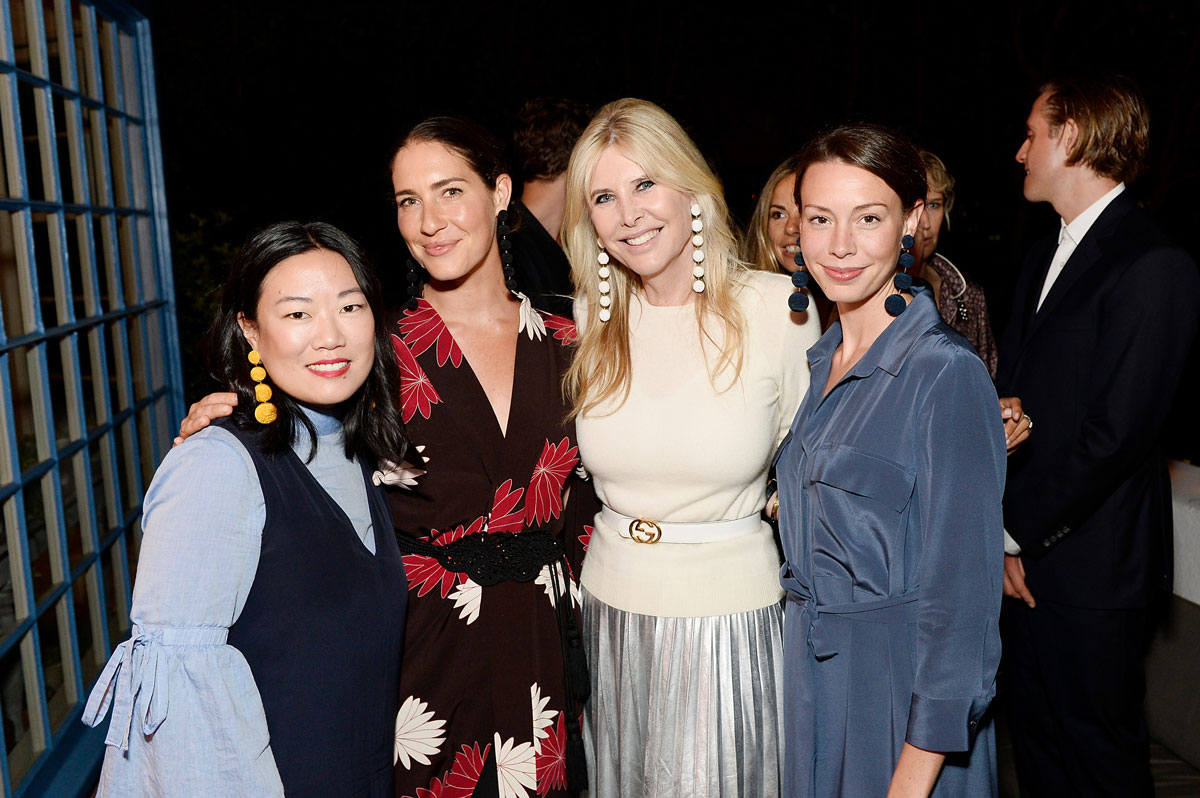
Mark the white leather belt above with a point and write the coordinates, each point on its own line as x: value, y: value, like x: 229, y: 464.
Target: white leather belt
x: 643, y: 530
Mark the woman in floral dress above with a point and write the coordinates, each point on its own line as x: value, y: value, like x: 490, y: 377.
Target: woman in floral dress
x: 491, y: 516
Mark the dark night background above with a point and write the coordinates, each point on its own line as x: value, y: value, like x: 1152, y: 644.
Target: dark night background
x: 274, y: 110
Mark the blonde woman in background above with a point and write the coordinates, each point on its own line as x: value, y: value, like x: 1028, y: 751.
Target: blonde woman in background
x: 770, y: 242
x: 688, y: 371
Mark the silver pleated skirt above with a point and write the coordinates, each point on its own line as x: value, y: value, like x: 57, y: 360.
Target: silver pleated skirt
x: 684, y: 707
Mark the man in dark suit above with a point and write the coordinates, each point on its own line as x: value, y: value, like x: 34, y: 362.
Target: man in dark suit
x: 1103, y: 319
x: 545, y: 133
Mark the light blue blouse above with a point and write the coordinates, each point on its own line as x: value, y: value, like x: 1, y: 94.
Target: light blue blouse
x: 187, y: 716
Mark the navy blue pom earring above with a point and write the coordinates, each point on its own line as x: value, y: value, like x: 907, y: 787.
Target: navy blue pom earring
x: 798, y: 301
x: 903, y: 281
x: 506, y: 256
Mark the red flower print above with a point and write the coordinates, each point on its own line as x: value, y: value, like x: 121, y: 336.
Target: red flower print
x: 543, y: 500
x: 586, y: 537
x: 451, y: 535
x: 564, y: 328
x: 423, y: 327
x: 425, y: 573
x: 506, y: 516
x: 416, y: 391
x: 552, y: 761
x: 435, y: 790
x: 464, y: 774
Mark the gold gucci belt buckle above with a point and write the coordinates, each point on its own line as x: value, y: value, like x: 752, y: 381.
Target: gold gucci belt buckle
x: 644, y: 531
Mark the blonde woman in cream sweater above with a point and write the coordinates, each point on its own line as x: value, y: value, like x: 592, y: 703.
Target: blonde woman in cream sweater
x: 687, y: 376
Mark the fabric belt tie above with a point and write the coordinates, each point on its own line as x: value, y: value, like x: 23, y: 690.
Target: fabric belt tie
x: 826, y: 639
x: 137, y: 659
x: 643, y: 530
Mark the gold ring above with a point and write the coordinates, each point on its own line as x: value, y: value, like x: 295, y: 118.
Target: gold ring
x: 644, y: 531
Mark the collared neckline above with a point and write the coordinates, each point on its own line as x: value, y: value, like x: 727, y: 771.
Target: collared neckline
x: 1080, y: 225
x: 891, y: 348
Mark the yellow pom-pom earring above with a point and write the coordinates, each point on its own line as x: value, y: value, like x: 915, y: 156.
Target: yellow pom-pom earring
x: 264, y: 412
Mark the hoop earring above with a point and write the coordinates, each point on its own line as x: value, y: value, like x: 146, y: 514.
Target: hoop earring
x: 506, y: 256
x: 264, y: 411
x: 895, y: 304
x: 605, y: 287
x: 798, y: 300
x: 697, y: 253
x: 413, y: 288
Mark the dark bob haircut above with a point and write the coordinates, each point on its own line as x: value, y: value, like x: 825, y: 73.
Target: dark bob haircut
x: 371, y: 424
x: 877, y: 149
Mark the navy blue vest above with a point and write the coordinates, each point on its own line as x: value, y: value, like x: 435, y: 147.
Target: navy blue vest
x: 323, y: 630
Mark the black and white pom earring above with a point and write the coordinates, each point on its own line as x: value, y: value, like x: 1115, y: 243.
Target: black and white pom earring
x: 798, y: 301
x: 506, y: 256
x: 895, y: 303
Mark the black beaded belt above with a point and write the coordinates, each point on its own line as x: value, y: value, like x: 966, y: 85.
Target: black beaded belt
x: 491, y: 558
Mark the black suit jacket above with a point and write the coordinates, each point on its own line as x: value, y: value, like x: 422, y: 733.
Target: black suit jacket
x: 541, y: 268
x: 1088, y: 496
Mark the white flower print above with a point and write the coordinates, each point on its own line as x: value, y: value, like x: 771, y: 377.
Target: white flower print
x: 467, y: 597
x: 543, y: 718
x: 516, y: 767
x: 531, y: 321
x: 404, y: 475
x: 543, y: 579
x: 418, y: 733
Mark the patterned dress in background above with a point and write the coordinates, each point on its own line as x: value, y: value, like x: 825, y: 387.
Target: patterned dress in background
x: 482, y: 691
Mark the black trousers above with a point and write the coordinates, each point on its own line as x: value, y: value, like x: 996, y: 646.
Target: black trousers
x: 1074, y: 685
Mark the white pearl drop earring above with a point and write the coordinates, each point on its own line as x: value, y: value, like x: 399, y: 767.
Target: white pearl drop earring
x: 605, y: 286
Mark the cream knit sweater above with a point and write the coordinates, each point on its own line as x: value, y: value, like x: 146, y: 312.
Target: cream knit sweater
x: 680, y: 449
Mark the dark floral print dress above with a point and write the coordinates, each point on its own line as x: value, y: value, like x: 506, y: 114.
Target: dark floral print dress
x: 483, y: 688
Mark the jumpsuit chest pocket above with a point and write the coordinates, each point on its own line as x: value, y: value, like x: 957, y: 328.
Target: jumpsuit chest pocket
x: 862, y: 473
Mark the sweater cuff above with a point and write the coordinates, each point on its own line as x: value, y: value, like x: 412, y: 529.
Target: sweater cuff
x: 944, y: 725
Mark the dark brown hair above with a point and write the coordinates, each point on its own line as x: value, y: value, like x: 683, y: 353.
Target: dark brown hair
x: 545, y: 133
x: 469, y: 140
x: 877, y: 149
x: 1113, y: 122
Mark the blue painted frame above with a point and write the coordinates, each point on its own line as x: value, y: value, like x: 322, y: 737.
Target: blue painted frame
x: 122, y: 244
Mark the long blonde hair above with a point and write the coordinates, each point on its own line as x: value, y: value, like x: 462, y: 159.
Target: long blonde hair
x: 649, y: 136
x: 757, y: 249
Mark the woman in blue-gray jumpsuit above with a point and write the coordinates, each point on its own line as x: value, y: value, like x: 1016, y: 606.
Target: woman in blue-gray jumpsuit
x: 890, y: 484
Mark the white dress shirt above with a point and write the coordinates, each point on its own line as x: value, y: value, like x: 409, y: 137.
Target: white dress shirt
x: 1069, y: 236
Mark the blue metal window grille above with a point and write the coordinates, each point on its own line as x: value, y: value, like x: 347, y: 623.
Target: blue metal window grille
x: 90, y: 384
